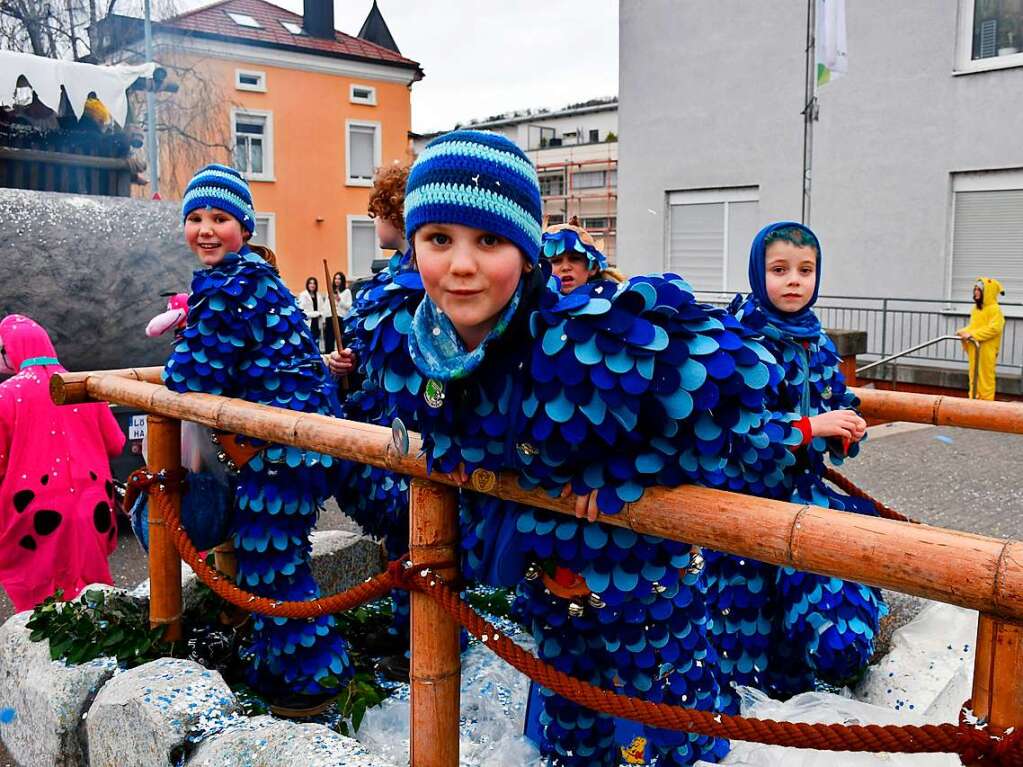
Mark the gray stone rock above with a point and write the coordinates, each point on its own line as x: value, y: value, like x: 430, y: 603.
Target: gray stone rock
x: 190, y: 589
x: 268, y: 742
x: 49, y: 698
x: 90, y: 270
x: 342, y: 559
x: 152, y: 715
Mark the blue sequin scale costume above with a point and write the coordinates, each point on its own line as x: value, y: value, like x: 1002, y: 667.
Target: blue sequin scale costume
x: 246, y: 338
x: 609, y: 389
x: 776, y: 628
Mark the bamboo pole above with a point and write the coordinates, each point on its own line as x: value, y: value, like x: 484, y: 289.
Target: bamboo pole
x: 435, y: 668
x: 164, y: 564
x: 998, y: 673
x: 973, y: 571
x: 941, y: 410
x: 68, y: 388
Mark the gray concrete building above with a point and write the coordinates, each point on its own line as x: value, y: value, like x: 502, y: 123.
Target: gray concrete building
x: 918, y: 150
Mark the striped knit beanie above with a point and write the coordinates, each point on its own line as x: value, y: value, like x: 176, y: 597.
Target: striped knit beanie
x: 478, y: 179
x: 220, y: 186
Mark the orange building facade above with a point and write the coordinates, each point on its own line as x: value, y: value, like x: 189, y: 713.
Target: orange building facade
x: 306, y: 122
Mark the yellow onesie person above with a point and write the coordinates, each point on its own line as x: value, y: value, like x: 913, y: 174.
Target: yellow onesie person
x: 986, y: 323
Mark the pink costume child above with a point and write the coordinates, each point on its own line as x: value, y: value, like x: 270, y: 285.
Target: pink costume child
x: 57, y: 525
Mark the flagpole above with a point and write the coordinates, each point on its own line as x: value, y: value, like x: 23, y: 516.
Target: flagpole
x: 809, y: 105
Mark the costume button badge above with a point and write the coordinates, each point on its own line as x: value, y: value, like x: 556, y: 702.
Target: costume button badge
x: 399, y: 436
x: 826, y: 394
x: 434, y: 393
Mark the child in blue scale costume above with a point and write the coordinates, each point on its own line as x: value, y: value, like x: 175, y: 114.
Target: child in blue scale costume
x: 601, y: 393
x: 246, y: 338
x: 776, y: 628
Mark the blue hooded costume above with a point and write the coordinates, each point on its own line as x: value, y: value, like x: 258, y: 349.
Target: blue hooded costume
x: 610, y: 389
x: 246, y: 338
x: 776, y: 628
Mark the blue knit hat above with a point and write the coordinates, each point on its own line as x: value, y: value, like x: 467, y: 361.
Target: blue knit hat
x: 478, y: 179
x: 220, y: 186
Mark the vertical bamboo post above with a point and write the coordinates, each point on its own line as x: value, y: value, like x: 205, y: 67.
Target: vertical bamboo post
x: 998, y: 673
x: 164, y: 565
x: 435, y: 670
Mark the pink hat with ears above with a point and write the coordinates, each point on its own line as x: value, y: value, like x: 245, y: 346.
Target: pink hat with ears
x: 175, y: 317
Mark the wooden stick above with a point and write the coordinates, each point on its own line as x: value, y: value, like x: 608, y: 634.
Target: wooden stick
x: 333, y: 305
x: 164, y: 564
x: 435, y: 668
x: 338, y: 342
x: 972, y: 571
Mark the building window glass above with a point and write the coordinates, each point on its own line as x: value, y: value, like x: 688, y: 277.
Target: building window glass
x: 264, y: 233
x: 594, y: 223
x: 363, y: 94
x: 996, y: 28
x: 253, y: 144
x: 244, y: 20
x: 363, y: 145
x: 552, y: 185
x: 362, y: 245
x: 709, y: 230
x: 250, y: 80
x: 594, y: 136
x: 554, y: 219
x: 589, y: 179
x: 291, y: 26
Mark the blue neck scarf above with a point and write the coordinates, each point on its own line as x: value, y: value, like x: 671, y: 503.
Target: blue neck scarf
x: 437, y: 349
x: 801, y: 325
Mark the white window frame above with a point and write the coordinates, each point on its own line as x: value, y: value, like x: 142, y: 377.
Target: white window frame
x: 352, y: 219
x: 292, y: 31
x: 703, y: 197
x: 370, y: 100
x: 994, y: 180
x: 268, y: 141
x: 377, y: 150
x: 259, y: 87
x: 964, y: 64
x: 271, y: 228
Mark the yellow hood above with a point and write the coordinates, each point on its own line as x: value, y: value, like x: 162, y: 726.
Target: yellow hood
x: 991, y: 288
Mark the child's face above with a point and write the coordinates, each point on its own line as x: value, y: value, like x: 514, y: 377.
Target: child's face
x: 212, y: 234
x: 977, y: 293
x: 571, y: 269
x: 469, y: 274
x: 388, y: 236
x: 791, y: 274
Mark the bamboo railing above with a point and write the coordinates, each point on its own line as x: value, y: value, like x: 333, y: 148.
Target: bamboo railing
x: 973, y: 571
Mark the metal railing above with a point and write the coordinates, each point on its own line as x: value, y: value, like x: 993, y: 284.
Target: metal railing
x: 893, y: 358
x: 893, y: 324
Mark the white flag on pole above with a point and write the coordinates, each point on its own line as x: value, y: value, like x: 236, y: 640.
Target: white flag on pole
x: 831, y: 52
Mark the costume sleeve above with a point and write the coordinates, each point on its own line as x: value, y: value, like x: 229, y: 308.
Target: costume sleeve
x: 375, y: 330
x: 6, y: 424
x: 206, y: 357
x: 113, y: 437
x: 834, y: 395
x: 643, y: 386
x: 991, y: 327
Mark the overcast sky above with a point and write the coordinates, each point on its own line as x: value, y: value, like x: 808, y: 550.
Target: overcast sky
x: 484, y: 58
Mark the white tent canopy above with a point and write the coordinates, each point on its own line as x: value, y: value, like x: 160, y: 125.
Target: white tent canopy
x: 46, y: 76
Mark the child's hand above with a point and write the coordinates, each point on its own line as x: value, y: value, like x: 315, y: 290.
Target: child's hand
x: 585, y: 505
x: 964, y: 335
x: 844, y: 424
x: 459, y: 476
x: 341, y: 363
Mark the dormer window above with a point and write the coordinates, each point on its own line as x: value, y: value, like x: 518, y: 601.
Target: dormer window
x: 244, y: 20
